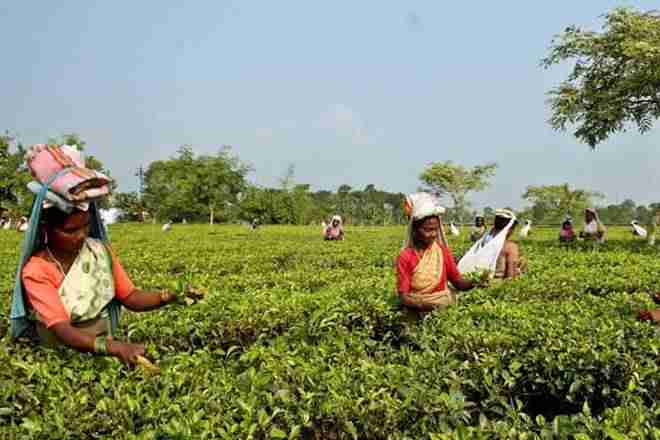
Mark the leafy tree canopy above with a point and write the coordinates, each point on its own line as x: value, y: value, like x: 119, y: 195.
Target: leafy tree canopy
x: 551, y: 203
x: 456, y: 182
x: 615, y: 79
x: 188, y: 186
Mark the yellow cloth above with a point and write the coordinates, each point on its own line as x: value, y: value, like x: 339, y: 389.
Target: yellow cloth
x: 426, y: 277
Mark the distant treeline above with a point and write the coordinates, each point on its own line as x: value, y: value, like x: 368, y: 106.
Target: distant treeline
x: 214, y: 188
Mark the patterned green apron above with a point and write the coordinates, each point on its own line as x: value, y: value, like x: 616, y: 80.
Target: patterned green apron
x: 86, y: 291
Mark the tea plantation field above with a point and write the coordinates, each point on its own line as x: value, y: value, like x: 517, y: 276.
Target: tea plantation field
x: 299, y: 338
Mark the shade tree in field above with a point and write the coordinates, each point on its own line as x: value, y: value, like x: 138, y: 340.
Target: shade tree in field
x: 130, y: 204
x: 188, y: 186
x: 447, y: 179
x: 551, y: 203
x: 614, y: 82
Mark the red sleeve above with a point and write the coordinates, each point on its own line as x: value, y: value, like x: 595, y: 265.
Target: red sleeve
x: 405, y: 266
x: 123, y: 284
x: 453, y: 273
x: 41, y: 281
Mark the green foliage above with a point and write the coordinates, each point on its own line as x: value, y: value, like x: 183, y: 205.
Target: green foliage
x: 551, y: 203
x: 615, y: 77
x: 189, y: 186
x: 130, y: 205
x: 456, y: 181
x: 14, y: 195
x: 298, y: 205
x: 300, y: 338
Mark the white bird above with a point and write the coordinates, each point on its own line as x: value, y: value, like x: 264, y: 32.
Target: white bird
x: 7, y: 225
x: 454, y: 230
x: 525, y: 230
x: 167, y: 226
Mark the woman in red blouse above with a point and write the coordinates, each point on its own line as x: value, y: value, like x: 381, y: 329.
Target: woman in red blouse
x: 426, y: 264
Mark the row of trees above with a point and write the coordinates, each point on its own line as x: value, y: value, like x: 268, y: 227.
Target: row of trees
x: 214, y: 188
x: 552, y: 203
x: 614, y: 83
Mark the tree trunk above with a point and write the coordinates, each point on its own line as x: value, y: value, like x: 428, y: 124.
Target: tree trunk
x: 212, y: 215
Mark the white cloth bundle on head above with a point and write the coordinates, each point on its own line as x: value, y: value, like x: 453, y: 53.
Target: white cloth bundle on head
x: 54, y: 200
x: 71, y: 184
x: 419, y: 206
x: 484, y: 253
x: 640, y: 230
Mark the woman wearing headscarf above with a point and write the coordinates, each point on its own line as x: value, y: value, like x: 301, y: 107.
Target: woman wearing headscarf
x: 510, y: 263
x: 593, y: 229
x: 567, y: 233
x: 495, y: 252
x: 479, y: 228
x: 426, y: 264
x: 22, y: 224
x: 335, y: 230
x: 70, y: 285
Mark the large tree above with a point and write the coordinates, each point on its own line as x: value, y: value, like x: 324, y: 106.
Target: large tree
x: 456, y: 182
x: 551, y: 203
x: 615, y: 78
x: 191, y: 187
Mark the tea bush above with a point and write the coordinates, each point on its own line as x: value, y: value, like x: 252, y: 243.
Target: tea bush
x: 301, y: 338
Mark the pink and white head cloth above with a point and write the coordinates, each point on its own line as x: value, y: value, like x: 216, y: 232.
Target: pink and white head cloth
x: 76, y: 184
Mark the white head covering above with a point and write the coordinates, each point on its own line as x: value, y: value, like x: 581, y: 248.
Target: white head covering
x: 505, y: 213
x: 419, y: 206
x: 593, y: 211
x: 592, y: 226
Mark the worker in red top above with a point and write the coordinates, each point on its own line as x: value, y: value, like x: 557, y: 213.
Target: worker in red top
x: 425, y: 264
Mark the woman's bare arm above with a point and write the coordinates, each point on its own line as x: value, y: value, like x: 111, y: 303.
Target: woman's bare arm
x: 74, y: 338
x: 141, y: 301
x: 512, y: 260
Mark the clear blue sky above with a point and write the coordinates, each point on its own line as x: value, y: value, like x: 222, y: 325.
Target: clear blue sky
x: 350, y: 92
